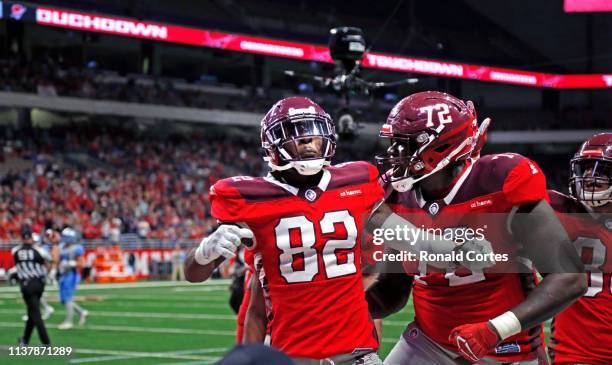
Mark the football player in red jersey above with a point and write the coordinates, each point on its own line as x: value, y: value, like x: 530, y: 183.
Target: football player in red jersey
x: 305, y: 219
x: 487, y: 316
x: 582, y: 334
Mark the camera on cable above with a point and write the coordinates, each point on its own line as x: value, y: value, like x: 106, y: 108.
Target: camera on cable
x: 347, y: 46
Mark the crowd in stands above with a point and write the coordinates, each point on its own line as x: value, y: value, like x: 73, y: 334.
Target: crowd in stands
x: 108, y: 182
x: 54, y: 78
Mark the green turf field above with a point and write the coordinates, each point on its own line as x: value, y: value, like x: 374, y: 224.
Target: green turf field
x: 143, y: 323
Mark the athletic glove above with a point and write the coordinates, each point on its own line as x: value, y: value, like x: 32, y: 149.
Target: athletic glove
x: 474, y: 340
x: 224, y: 241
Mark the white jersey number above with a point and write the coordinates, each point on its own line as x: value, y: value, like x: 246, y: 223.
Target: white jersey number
x: 598, y: 257
x: 451, y: 276
x: 304, y: 229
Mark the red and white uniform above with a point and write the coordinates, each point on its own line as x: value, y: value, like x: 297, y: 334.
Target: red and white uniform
x: 482, y: 198
x: 582, y: 334
x: 308, y: 241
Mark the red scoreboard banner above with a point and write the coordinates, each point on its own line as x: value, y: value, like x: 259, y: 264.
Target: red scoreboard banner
x: 581, y: 6
x: 93, y: 22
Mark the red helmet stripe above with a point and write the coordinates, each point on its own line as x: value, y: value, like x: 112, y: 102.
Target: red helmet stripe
x: 592, y: 153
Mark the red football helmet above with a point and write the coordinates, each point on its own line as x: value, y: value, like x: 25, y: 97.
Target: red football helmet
x: 591, y: 168
x: 428, y: 131
x: 289, y: 121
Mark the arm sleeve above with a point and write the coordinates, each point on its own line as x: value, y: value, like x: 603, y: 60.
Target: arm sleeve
x: 525, y: 183
x: 227, y: 205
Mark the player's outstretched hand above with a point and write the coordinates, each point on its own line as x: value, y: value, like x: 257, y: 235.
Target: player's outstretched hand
x: 224, y: 241
x: 474, y: 340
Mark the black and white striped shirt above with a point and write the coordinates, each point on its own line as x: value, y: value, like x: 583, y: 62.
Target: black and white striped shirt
x: 30, y: 262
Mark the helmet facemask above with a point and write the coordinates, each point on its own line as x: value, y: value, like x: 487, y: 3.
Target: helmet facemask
x: 401, y: 160
x: 591, y: 181
x: 411, y: 163
x: 303, y: 141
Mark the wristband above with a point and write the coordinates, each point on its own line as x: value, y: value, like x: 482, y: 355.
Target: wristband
x: 506, y: 325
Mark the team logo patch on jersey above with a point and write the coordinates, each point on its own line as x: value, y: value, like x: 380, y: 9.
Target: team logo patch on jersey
x: 505, y: 348
x: 434, y: 209
x: 310, y: 195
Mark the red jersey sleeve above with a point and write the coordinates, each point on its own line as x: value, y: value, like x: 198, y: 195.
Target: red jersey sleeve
x: 525, y: 183
x: 227, y: 205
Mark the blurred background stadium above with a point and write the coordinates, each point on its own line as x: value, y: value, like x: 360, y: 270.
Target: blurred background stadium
x: 117, y: 116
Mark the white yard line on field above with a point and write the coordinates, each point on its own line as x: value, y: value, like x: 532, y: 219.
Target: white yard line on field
x: 127, y: 302
x: 97, y: 313
x: 395, y: 323
x: 136, y: 285
x: 187, y: 331
x: 162, y: 298
x: 199, y: 289
x: 165, y: 305
x: 176, y: 297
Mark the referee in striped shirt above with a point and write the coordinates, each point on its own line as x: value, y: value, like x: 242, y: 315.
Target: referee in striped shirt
x: 31, y: 270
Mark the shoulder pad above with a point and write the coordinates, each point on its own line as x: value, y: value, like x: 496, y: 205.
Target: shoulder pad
x: 352, y: 173
x: 562, y: 203
x: 247, y: 188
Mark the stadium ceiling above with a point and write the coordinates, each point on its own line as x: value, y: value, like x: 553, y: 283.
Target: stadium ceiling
x: 108, y: 24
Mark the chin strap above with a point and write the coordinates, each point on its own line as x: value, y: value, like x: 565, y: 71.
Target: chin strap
x: 597, y: 199
x: 307, y: 167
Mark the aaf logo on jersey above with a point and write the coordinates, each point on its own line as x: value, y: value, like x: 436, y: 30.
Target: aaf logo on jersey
x: 434, y: 209
x: 310, y: 195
